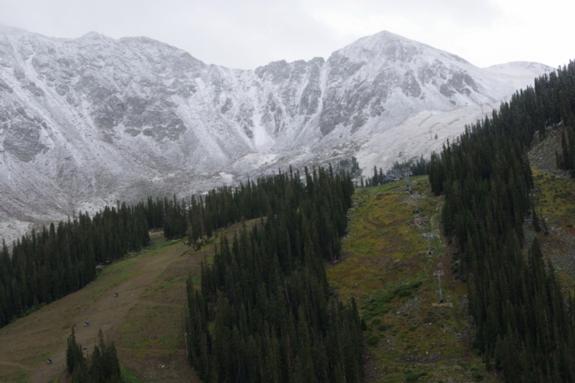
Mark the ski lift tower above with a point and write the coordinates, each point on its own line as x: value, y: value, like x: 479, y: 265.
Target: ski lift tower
x: 439, y: 273
x: 407, y: 180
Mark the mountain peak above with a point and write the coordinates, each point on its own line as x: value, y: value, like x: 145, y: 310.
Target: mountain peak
x: 388, y: 36
x: 389, y: 46
x: 381, y: 39
x: 95, y: 36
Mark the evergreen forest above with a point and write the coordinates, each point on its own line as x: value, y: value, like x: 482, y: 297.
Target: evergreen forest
x: 525, y: 326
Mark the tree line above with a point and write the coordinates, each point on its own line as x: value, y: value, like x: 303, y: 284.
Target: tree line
x: 198, y: 216
x: 525, y: 326
x: 558, y: 90
x: 265, y: 312
x: 50, y: 263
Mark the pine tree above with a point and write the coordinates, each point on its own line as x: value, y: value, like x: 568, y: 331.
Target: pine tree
x: 102, y: 367
x: 74, y: 356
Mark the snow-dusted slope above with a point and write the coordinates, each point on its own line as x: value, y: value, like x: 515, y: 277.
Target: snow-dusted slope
x: 518, y: 72
x: 86, y: 121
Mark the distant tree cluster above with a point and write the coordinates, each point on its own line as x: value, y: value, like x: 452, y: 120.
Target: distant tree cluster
x: 171, y: 215
x: 199, y: 216
x: 557, y: 90
x: 101, y: 367
x: 46, y: 265
x: 265, y: 312
x: 348, y: 165
x: 525, y: 327
x: 399, y: 170
x: 378, y: 178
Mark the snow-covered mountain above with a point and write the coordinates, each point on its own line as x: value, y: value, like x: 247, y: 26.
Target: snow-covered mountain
x: 87, y: 121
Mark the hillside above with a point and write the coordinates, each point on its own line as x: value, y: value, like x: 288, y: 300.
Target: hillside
x: 555, y: 203
x: 555, y: 199
x: 145, y: 320
x: 391, y: 253
x: 522, y: 312
x: 391, y: 256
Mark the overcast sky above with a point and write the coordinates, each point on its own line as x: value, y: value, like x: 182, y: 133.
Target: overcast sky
x: 248, y: 33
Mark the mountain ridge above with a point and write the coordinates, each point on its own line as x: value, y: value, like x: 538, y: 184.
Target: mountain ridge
x: 89, y: 120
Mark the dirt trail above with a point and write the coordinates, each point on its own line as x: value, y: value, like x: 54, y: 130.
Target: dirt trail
x: 26, y: 344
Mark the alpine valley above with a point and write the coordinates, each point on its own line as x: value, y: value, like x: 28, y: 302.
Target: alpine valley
x: 87, y: 121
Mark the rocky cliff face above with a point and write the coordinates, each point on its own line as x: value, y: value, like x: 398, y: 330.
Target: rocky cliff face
x: 87, y: 121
